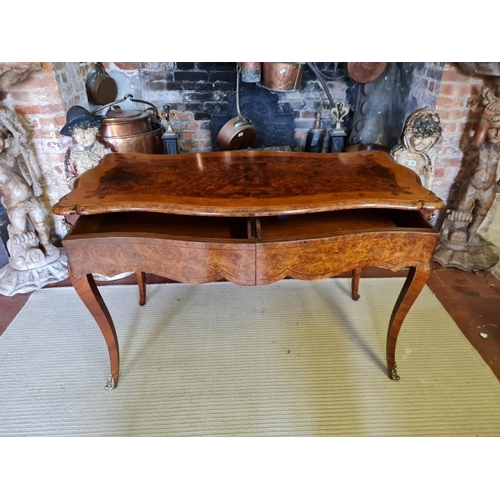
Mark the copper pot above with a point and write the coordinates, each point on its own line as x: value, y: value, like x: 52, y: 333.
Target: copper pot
x: 251, y: 72
x: 133, y: 130
x: 238, y: 132
x: 365, y: 72
x: 148, y: 142
x: 282, y: 76
x: 118, y: 122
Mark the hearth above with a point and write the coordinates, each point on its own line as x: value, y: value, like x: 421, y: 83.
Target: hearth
x: 275, y: 127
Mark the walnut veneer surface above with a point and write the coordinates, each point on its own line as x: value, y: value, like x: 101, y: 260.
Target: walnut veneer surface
x: 252, y: 218
x: 246, y: 183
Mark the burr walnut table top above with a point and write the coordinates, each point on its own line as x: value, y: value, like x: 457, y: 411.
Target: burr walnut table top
x: 246, y: 184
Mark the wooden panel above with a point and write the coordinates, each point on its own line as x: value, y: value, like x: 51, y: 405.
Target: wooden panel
x: 188, y: 262
x: 336, y: 243
x: 186, y: 249
x: 321, y: 258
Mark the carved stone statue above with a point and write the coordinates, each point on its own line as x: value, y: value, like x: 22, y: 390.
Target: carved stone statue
x: 12, y: 73
x: 422, y: 130
x: 87, y: 152
x: 460, y: 245
x: 34, y: 261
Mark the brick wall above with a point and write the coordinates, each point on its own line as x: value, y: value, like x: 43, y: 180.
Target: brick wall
x: 425, y: 88
x: 195, y: 88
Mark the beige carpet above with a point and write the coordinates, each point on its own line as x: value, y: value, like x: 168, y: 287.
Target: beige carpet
x: 290, y: 359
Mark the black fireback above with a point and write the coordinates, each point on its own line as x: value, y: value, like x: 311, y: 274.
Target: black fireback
x: 274, y: 127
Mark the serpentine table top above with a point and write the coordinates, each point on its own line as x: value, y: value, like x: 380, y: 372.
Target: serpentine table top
x: 246, y: 183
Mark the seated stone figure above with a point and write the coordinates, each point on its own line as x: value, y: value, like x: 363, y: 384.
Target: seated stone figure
x: 422, y: 130
x: 87, y: 152
x: 19, y: 190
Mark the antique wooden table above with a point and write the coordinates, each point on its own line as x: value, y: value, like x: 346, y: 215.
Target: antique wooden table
x: 251, y: 217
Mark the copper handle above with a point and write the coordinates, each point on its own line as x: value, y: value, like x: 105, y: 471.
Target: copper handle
x: 131, y: 97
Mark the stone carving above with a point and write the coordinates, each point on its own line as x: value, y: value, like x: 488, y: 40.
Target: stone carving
x: 12, y: 73
x: 34, y: 261
x: 421, y: 132
x: 460, y: 245
x: 87, y: 152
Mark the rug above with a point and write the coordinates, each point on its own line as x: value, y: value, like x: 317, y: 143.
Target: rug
x: 290, y: 359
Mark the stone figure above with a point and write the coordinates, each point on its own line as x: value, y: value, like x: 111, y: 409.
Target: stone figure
x: 29, y: 242
x: 421, y: 132
x: 12, y: 73
x: 87, y: 152
x: 460, y: 245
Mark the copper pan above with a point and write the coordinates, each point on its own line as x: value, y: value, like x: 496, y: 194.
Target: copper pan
x: 238, y: 132
x: 101, y: 88
x: 365, y: 72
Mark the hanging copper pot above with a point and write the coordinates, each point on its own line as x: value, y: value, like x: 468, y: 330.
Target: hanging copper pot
x: 251, y: 72
x: 282, y: 76
x: 365, y: 72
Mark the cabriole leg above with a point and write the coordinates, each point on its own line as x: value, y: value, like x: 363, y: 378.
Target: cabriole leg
x: 415, y: 281
x: 89, y: 294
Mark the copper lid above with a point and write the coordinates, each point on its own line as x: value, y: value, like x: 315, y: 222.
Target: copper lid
x: 124, y: 116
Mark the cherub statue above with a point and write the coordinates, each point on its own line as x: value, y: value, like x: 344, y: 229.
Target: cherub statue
x: 460, y: 245
x: 477, y: 194
x: 19, y: 190
x: 87, y: 152
x: 422, y: 130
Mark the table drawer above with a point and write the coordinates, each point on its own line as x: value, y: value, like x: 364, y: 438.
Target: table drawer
x: 182, y: 248
x: 316, y: 246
